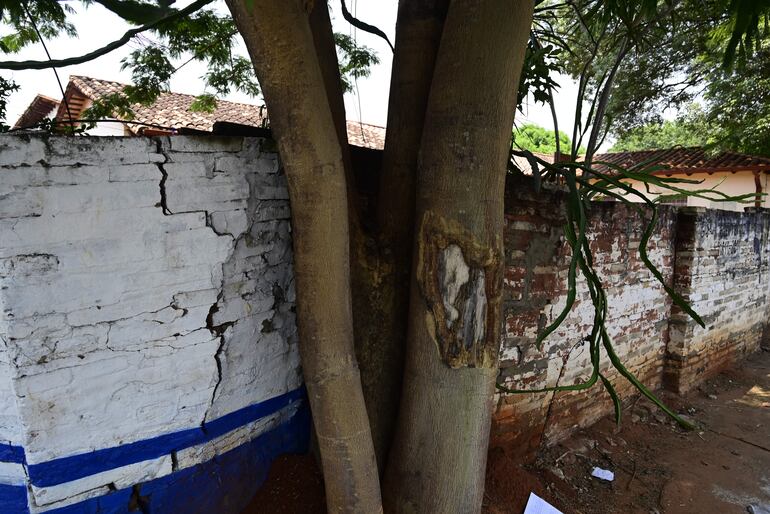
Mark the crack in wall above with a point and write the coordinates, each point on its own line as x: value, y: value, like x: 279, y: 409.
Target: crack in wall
x: 137, y: 502
x: 163, y: 204
x: 218, y: 331
x: 99, y: 327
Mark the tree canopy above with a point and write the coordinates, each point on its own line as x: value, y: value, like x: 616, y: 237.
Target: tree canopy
x: 639, y: 63
x: 689, y: 129
x: 172, y: 38
x: 535, y: 138
x: 690, y: 56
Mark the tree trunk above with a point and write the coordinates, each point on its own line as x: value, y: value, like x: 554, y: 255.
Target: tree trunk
x: 438, y: 459
x: 278, y: 36
x: 381, y: 312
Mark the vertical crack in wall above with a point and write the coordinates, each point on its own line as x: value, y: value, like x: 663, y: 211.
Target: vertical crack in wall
x: 163, y: 204
x: 218, y: 331
x: 137, y: 502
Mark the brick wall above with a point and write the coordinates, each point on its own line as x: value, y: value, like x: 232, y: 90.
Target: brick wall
x: 147, y: 320
x: 717, y: 259
x: 722, y: 269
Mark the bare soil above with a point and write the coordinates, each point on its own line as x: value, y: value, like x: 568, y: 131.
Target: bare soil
x: 294, y: 486
x: 724, y: 467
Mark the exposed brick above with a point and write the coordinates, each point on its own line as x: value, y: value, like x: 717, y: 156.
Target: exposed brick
x: 716, y: 259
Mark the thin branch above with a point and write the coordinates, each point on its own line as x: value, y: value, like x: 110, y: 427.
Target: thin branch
x: 70, y: 61
x: 371, y: 29
x: 47, y: 53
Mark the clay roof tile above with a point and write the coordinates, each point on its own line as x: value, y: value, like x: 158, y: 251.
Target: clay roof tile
x: 172, y: 110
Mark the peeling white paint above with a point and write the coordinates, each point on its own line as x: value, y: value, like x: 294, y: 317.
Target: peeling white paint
x: 145, y: 287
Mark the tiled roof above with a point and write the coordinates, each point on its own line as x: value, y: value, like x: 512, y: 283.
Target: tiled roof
x: 687, y: 160
x: 366, y: 135
x: 172, y: 110
x: 523, y: 163
x: 39, y: 109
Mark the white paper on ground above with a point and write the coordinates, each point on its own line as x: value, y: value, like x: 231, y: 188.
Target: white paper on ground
x: 604, y: 474
x: 537, y: 505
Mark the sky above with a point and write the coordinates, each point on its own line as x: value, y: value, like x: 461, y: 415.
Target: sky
x: 368, y: 103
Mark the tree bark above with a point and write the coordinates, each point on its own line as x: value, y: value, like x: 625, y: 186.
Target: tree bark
x: 381, y: 314
x: 438, y: 459
x: 326, y: 51
x: 279, y: 39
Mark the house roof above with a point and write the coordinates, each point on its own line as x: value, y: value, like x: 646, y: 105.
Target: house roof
x: 366, y: 135
x: 39, y: 109
x: 524, y: 165
x: 172, y: 110
x: 686, y: 160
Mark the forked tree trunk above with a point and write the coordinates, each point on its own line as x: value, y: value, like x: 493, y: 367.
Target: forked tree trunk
x: 278, y: 36
x: 381, y: 314
x: 438, y: 459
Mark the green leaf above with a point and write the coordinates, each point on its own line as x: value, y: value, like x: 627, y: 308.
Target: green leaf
x: 204, y: 103
x: 135, y: 11
x: 615, y: 399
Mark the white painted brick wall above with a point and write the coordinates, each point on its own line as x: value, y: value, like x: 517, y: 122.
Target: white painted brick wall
x: 145, y: 287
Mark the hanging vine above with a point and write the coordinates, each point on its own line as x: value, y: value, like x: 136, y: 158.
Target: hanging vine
x: 584, y: 185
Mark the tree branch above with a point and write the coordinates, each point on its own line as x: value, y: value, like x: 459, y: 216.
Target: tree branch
x: 71, y: 61
x: 48, y: 54
x: 371, y: 29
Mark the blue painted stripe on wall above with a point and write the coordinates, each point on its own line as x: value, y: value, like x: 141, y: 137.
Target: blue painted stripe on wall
x: 222, y: 485
x: 11, y: 453
x: 73, y: 467
x: 13, y: 499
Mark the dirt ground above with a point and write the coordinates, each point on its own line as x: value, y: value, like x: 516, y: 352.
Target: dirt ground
x: 724, y: 467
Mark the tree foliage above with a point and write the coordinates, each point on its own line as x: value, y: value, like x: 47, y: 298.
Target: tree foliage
x: 535, y: 138
x: 50, y: 17
x: 541, y: 62
x: 738, y: 104
x: 174, y: 41
x: 638, y: 62
x: 699, y: 59
x: 688, y: 130
x: 6, y: 88
x: 355, y: 60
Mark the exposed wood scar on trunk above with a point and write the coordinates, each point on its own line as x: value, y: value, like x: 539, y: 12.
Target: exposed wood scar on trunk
x: 459, y: 279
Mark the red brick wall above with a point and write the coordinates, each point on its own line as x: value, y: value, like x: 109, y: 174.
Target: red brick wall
x: 722, y: 269
x: 640, y: 315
